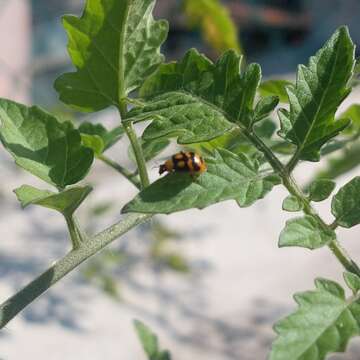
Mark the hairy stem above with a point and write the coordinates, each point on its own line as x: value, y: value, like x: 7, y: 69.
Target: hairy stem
x: 292, y: 163
x: 124, y: 172
x: 136, y: 146
x: 77, y: 237
x: 82, y: 250
x: 12, y: 306
x: 295, y: 190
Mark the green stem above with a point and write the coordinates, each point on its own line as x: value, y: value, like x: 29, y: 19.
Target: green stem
x: 334, y: 224
x: 292, y: 163
x: 140, y: 160
x: 136, y: 146
x: 295, y: 190
x: 12, y: 306
x: 82, y: 250
x: 270, y: 156
x: 76, y: 235
x: 126, y: 173
x: 132, y: 101
x: 343, y: 257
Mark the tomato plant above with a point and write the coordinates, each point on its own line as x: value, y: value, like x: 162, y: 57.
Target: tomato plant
x: 220, y: 108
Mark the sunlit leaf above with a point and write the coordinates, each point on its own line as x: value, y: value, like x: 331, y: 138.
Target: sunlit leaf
x: 66, y: 201
x: 305, y: 232
x: 265, y: 107
x: 42, y: 145
x: 320, y: 88
x: 228, y: 176
x: 197, y: 100
x: 345, y: 204
x: 321, y: 189
x: 324, y: 323
x: 114, y: 46
x: 94, y: 142
x: 108, y: 137
x: 292, y: 204
x: 275, y: 88
x: 352, y: 281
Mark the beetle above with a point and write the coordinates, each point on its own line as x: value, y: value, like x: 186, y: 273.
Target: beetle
x: 184, y: 161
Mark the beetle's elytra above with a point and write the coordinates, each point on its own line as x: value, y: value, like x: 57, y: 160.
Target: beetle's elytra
x: 188, y: 161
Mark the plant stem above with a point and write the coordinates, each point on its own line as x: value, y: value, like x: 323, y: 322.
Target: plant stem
x: 270, y: 156
x: 294, y: 189
x: 292, y: 163
x: 136, y: 146
x: 126, y: 173
x: 12, y: 306
x: 82, y: 250
x: 343, y: 257
x: 334, y: 224
x: 76, y: 235
x: 133, y: 101
x: 138, y: 154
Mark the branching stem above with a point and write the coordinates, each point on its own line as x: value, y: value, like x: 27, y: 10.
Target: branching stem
x: 136, y: 146
x: 77, y: 237
x: 12, y: 306
x: 294, y: 189
x: 120, y: 169
x: 82, y: 248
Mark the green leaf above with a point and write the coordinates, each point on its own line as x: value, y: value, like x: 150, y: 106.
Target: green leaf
x: 355, y: 79
x: 197, y: 100
x: 265, y: 107
x: 352, y: 113
x: 320, y: 88
x: 275, y: 88
x: 233, y: 141
x: 175, y: 262
x: 345, y: 205
x: 98, y: 138
x: 265, y: 129
x: 292, y: 204
x: 42, y: 145
x: 321, y: 189
x: 282, y: 147
x: 352, y: 281
x: 183, y: 116
x: 305, y: 232
x: 215, y: 23
x: 109, y: 137
x: 147, y: 338
x: 66, y: 202
x: 228, y: 176
x: 94, y: 142
x: 324, y: 323
x: 150, y: 343
x: 334, y: 145
x: 114, y: 46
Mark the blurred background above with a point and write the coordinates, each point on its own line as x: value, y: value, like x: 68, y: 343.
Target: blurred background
x: 212, y: 282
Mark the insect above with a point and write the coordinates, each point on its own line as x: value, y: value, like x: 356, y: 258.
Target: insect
x: 188, y: 161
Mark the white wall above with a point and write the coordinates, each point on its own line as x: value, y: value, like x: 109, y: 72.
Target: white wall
x: 15, y: 49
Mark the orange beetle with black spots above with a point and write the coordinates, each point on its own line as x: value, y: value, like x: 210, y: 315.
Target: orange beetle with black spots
x: 188, y: 161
